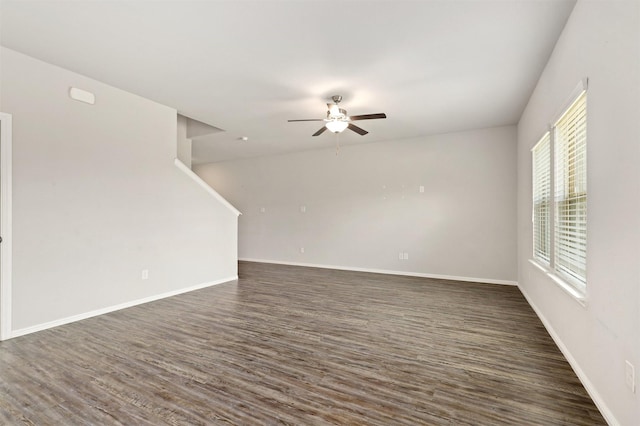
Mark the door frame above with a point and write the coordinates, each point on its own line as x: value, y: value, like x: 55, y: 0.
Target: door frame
x: 5, y: 225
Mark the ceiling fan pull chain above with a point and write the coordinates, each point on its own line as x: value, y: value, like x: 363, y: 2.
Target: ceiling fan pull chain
x: 337, y: 143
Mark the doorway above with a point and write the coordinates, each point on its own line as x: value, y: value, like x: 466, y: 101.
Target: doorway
x: 5, y: 225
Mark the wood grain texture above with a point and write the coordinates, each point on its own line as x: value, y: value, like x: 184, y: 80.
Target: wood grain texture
x: 300, y: 346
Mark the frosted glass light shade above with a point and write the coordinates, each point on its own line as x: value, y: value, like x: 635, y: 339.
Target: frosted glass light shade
x: 336, y: 126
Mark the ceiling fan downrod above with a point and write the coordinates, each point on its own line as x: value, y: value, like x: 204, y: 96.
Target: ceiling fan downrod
x: 335, y: 112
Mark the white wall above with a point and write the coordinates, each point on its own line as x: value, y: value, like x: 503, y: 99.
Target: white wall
x: 97, y: 198
x: 601, y: 41
x: 363, y: 206
x: 183, y: 148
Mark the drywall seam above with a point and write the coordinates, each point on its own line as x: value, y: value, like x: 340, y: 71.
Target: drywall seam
x: 387, y: 271
x: 588, y: 385
x: 190, y: 173
x: 102, y: 311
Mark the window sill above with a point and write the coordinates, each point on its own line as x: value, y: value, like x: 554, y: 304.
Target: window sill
x: 565, y: 286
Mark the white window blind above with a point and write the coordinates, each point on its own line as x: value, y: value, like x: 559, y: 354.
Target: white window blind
x: 570, y: 195
x: 542, y: 199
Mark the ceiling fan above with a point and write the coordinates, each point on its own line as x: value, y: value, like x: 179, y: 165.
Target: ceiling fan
x: 337, y: 119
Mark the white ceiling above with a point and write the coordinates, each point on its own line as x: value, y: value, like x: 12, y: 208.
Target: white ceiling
x: 245, y: 67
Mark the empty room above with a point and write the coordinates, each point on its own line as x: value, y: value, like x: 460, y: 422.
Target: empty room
x: 320, y: 212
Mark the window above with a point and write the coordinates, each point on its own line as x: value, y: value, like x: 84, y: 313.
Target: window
x: 570, y: 152
x: 542, y: 199
x: 563, y: 150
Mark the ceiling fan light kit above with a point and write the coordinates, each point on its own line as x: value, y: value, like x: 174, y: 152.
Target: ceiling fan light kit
x: 337, y: 119
x: 337, y: 126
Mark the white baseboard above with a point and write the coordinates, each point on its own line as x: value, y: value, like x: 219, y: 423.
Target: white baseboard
x: 588, y: 385
x: 102, y: 311
x: 386, y: 271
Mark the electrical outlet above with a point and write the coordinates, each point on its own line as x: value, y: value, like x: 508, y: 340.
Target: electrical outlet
x: 301, y: 249
x: 630, y: 376
x: 422, y: 188
x: 303, y: 209
x: 145, y: 274
x: 406, y: 256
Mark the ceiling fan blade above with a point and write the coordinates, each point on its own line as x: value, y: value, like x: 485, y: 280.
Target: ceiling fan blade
x: 357, y: 129
x: 321, y: 131
x: 308, y: 119
x: 368, y: 116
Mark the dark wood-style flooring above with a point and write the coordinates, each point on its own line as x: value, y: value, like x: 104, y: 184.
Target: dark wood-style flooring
x: 300, y: 346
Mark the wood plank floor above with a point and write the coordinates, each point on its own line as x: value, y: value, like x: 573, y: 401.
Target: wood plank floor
x: 300, y: 346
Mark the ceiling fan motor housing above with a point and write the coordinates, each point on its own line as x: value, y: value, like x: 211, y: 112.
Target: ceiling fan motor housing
x: 336, y: 113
